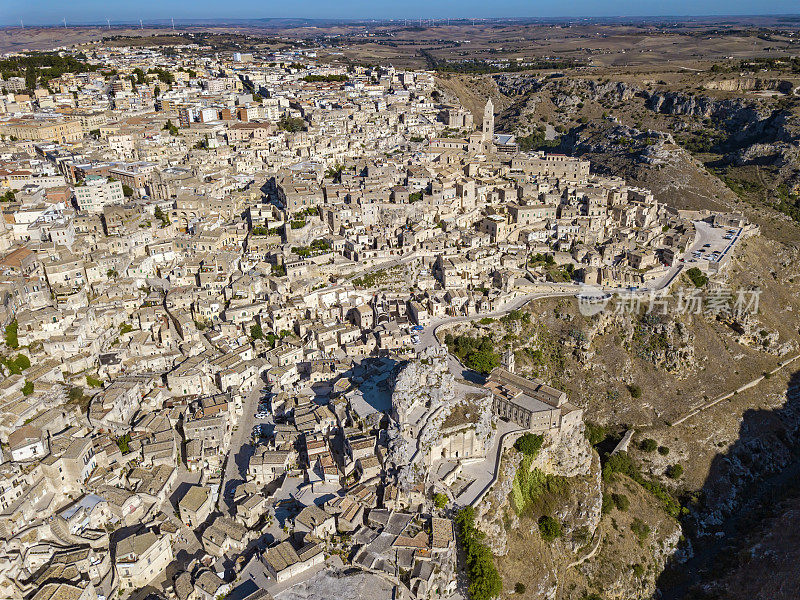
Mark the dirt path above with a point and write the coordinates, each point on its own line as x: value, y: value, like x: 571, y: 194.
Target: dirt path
x: 727, y: 395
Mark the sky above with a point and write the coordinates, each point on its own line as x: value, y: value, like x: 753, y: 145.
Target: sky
x: 94, y: 11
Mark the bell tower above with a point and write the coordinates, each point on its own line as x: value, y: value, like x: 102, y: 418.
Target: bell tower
x: 508, y: 362
x: 488, y: 122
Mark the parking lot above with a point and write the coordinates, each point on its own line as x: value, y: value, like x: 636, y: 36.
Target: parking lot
x: 712, y: 244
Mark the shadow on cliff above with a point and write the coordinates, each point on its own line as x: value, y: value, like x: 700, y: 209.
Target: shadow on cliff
x: 744, y: 484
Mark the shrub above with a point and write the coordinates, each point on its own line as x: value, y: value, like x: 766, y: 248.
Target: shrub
x: 529, y: 444
x: 674, y: 471
x: 484, y: 580
x: 663, y: 450
x: 440, y: 500
x: 648, y: 445
x: 697, y: 277
x: 640, y: 528
x: 11, y: 334
x: 17, y: 365
x: 621, y: 501
x: 638, y: 570
x: 27, y: 389
x: 608, y: 504
x: 549, y: 528
x: 482, y: 361
x: 519, y: 588
x: 622, y: 463
x: 94, y: 382
x: 635, y: 390
x: 595, y: 433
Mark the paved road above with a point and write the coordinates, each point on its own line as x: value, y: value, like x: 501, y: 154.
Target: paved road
x: 428, y: 336
x: 240, y: 449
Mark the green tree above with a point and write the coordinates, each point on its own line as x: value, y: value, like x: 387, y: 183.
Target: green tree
x: 529, y: 444
x: 549, y: 528
x: 674, y: 471
x: 648, y: 445
x: 621, y: 501
x: 169, y: 126
x: 697, y: 277
x: 440, y: 500
x: 27, y: 389
x: 256, y: 332
x: 595, y: 433
x: 483, y: 361
x: 161, y: 216
x: 11, y: 334
x: 292, y: 124
x: 484, y: 580
x: 127, y: 191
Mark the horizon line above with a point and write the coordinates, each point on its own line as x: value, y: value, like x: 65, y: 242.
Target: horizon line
x: 377, y: 20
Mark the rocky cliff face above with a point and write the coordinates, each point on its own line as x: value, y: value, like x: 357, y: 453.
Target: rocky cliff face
x: 424, y: 397
x: 569, y: 455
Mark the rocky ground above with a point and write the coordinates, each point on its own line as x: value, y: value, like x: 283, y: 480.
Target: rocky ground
x: 699, y: 141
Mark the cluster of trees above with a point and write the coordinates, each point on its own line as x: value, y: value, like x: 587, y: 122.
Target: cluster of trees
x: 476, y: 353
x: 535, y: 491
x: 788, y: 202
x: 370, y: 279
x: 618, y: 501
x: 11, y: 334
x: 484, y: 580
x: 261, y: 230
x: 317, y: 246
x: 549, y: 528
x: 697, y: 277
x: 161, y: 216
x: 477, y: 66
x: 623, y: 463
x: 529, y: 444
x: 39, y: 67
x: 311, y: 211
x: 539, y: 259
x: 171, y: 127
x: 162, y: 74
x: 537, y: 141
x: 17, y: 364
x: 292, y: 124
x: 325, y: 78
x: 9, y: 196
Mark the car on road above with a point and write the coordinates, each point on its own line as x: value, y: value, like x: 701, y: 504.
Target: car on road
x: 417, y: 328
x: 706, y: 245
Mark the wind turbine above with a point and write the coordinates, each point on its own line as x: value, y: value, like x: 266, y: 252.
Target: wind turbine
x: 108, y: 24
x: 140, y: 24
x: 173, y: 24
x: 65, y: 22
x: 21, y: 24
